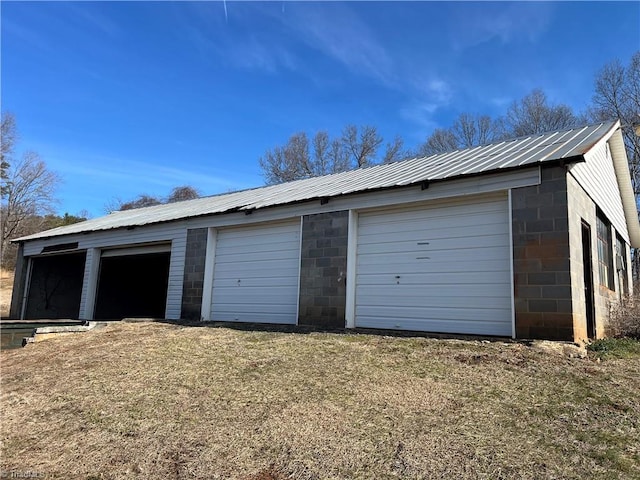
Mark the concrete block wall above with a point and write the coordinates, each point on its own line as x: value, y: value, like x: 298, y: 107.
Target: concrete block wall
x: 323, y: 269
x: 542, y: 270
x: 194, y: 273
x: 582, y: 208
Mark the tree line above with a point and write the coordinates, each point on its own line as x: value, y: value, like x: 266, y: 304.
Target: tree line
x: 177, y: 194
x: 616, y: 96
x: 27, y: 189
x: 28, y: 193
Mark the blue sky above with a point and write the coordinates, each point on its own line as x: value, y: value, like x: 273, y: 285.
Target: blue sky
x: 124, y: 98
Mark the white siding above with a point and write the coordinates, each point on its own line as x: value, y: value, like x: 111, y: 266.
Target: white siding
x: 95, y: 242
x: 256, y: 274
x: 89, y: 284
x: 598, y: 178
x: 176, y: 276
x: 439, y: 267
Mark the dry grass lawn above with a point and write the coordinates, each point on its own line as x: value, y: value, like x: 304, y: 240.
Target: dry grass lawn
x: 6, y: 286
x: 159, y: 401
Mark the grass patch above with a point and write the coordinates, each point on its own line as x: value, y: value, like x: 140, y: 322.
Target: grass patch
x: 607, y: 348
x: 149, y: 400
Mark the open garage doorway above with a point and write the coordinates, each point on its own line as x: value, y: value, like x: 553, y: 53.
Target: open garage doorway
x: 55, y: 287
x: 132, y: 286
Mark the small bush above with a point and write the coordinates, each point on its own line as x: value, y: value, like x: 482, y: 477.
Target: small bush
x: 624, y: 318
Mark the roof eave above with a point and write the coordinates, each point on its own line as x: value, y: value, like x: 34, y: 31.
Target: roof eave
x: 623, y: 176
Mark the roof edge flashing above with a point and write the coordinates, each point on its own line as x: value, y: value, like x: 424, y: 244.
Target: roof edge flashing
x: 623, y: 176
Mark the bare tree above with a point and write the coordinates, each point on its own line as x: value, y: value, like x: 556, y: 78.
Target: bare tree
x: 441, y: 140
x: 338, y: 157
x: 143, y: 200
x: 533, y: 114
x: 395, y: 151
x: 299, y: 158
x: 291, y: 162
x: 362, y: 146
x: 183, y: 192
x: 177, y: 194
x: 467, y: 131
x: 8, y: 138
x: 30, y: 193
x: 617, y: 96
x: 472, y: 130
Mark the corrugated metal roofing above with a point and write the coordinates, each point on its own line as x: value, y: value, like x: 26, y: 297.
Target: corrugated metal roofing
x: 519, y: 152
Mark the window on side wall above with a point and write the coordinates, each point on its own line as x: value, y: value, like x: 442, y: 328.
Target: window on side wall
x: 605, y: 251
x: 621, y: 265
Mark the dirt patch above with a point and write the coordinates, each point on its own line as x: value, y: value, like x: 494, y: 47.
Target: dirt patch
x: 148, y: 400
x: 6, y: 288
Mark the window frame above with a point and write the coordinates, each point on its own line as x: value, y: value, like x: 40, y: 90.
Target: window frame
x: 622, y: 267
x: 604, y: 247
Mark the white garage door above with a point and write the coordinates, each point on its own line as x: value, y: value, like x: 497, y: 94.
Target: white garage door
x: 256, y: 272
x: 443, y: 267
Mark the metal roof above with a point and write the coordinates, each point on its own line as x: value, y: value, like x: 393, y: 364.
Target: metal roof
x: 508, y: 154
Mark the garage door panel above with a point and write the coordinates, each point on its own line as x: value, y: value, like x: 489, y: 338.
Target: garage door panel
x: 259, y: 268
x: 248, y: 235
x: 436, y: 325
x: 418, y: 232
x: 373, y: 305
x: 259, y: 280
x: 257, y: 294
x: 452, y: 260
x: 385, y: 266
x: 457, y: 283
x: 260, y: 246
x: 444, y: 212
x: 256, y: 270
x: 467, y: 256
x: 434, y: 246
x: 481, y: 314
x: 268, y: 305
x: 234, y: 315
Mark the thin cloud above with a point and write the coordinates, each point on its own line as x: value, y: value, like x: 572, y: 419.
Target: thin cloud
x: 479, y: 23
x: 137, y: 176
x: 420, y: 113
x: 94, y: 21
x: 252, y: 54
x: 337, y: 32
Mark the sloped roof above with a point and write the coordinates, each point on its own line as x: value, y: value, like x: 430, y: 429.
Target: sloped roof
x: 567, y: 145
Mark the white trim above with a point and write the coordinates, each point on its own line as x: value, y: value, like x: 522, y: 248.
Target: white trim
x: 352, y: 256
x: 209, y: 264
x: 511, y: 253
x: 27, y: 286
x: 623, y: 176
x: 90, y: 282
x: 143, y: 250
x: 299, y: 270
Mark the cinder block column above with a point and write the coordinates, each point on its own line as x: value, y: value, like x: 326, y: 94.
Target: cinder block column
x: 192, y: 286
x: 542, y: 274
x: 323, y: 269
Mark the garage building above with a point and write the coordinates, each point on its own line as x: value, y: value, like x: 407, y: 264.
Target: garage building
x: 524, y: 238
